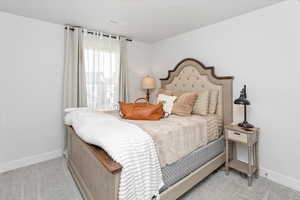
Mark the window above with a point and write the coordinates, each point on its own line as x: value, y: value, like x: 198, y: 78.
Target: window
x: 102, y: 66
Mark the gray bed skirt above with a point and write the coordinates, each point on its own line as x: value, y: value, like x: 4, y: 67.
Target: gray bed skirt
x: 183, y: 167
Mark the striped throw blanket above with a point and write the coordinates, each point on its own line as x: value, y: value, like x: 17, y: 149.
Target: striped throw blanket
x: 127, y: 144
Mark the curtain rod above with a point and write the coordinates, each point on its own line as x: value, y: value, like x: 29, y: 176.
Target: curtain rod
x: 103, y: 34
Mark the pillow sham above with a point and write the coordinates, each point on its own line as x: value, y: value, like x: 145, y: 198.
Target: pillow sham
x: 183, y: 105
x: 167, y: 101
x: 165, y: 92
x: 170, y: 92
x: 213, y: 101
x: 202, y: 103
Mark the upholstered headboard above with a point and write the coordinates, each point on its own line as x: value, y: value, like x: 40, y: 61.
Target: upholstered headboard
x: 190, y: 75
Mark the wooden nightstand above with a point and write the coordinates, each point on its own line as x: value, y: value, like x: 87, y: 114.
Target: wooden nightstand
x: 233, y: 134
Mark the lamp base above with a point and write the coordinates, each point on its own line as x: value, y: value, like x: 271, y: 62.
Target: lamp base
x: 245, y: 124
x: 148, y: 95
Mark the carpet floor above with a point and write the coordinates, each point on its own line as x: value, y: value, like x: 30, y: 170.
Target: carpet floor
x: 51, y: 180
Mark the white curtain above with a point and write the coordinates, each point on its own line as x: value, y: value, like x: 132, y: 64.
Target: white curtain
x: 123, y: 86
x: 102, y: 66
x: 74, y: 70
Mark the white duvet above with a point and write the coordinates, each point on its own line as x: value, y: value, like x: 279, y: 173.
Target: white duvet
x: 127, y: 144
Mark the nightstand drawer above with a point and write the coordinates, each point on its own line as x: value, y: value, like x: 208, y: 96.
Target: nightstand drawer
x: 237, y: 136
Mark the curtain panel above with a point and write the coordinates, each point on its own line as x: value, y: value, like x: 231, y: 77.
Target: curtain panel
x: 123, y: 84
x: 74, y: 70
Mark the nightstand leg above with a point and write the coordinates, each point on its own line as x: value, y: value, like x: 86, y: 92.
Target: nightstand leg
x: 227, y: 157
x: 256, y: 160
x: 249, y: 180
x: 250, y: 153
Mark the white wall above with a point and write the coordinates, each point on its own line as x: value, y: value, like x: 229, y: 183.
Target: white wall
x: 139, y: 66
x: 31, y: 78
x: 31, y: 69
x: 260, y: 49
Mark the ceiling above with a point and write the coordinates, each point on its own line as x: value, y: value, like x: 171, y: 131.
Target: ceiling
x: 143, y: 20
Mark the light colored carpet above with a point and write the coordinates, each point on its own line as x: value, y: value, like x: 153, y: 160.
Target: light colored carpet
x: 218, y: 186
x: 51, y: 180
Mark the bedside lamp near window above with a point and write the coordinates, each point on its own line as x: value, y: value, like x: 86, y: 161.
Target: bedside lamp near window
x: 148, y: 83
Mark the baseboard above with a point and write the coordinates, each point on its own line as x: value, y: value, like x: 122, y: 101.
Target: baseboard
x: 269, y: 174
x: 15, y: 164
x: 280, y: 178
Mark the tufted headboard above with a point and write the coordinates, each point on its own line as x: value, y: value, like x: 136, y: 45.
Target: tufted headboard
x: 190, y: 75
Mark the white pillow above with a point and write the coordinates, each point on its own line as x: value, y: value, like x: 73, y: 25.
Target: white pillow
x: 167, y: 101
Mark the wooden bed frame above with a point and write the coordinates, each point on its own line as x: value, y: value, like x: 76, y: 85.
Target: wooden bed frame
x: 97, y: 175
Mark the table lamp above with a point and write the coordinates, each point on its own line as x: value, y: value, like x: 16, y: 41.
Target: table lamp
x: 242, y: 100
x: 148, y: 83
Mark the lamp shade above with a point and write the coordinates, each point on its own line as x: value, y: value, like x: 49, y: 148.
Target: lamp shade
x: 148, y: 83
x: 241, y: 101
x: 243, y: 98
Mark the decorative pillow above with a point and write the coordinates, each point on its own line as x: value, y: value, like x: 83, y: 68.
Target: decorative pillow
x: 167, y: 101
x: 202, y: 103
x: 177, y: 93
x: 165, y: 92
x: 214, y: 95
x: 184, y: 104
x: 170, y: 92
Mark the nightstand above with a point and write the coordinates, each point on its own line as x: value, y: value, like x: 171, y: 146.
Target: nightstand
x: 235, y: 134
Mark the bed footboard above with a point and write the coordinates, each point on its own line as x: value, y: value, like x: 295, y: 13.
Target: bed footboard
x: 96, y: 175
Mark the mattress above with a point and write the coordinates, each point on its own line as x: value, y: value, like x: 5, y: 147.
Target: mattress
x: 177, y: 136
x: 214, y: 126
x: 186, y: 165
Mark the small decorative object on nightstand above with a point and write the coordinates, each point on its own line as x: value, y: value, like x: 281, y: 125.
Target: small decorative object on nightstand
x: 148, y: 83
x: 233, y: 134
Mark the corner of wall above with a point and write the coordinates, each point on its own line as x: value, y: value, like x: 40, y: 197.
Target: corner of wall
x: 27, y: 161
x: 280, y: 178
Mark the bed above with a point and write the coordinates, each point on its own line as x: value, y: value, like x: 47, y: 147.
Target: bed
x: 98, y: 176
